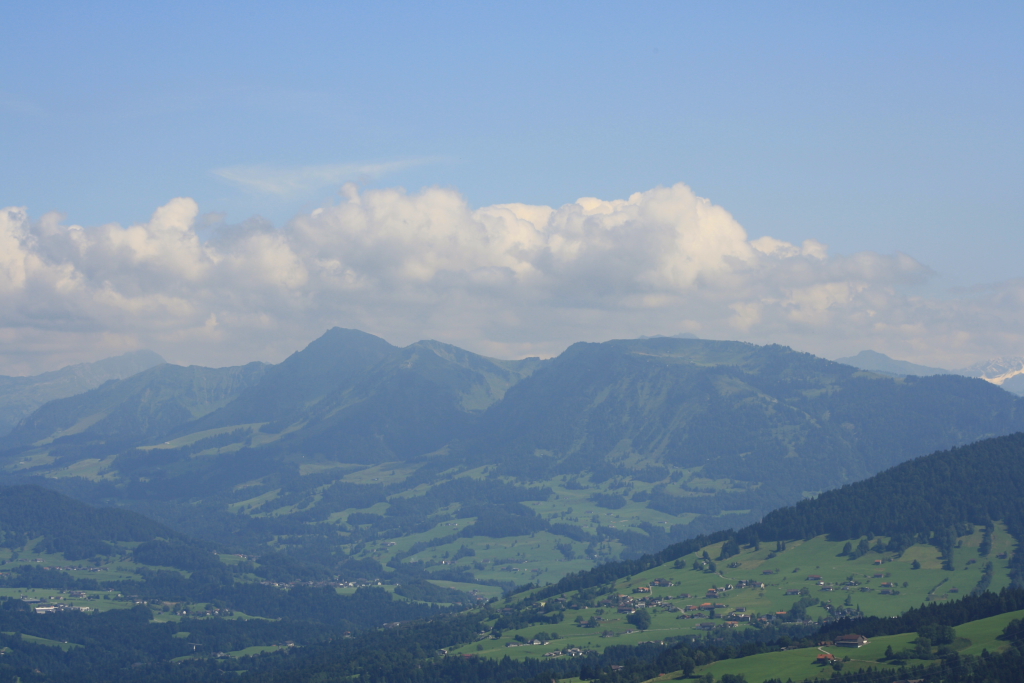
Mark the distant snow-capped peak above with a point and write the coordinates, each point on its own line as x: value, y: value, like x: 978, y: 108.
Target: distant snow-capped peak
x: 996, y: 370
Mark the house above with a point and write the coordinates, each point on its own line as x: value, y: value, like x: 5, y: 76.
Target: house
x: 878, y: 561
x: 793, y: 592
x: 852, y: 640
x: 814, y: 577
x: 642, y: 589
x: 825, y: 658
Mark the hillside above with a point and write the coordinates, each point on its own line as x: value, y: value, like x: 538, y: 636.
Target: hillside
x: 20, y: 396
x: 927, y: 500
x: 926, y: 532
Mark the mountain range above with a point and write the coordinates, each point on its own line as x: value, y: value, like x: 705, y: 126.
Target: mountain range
x: 606, y: 451
x: 1006, y: 371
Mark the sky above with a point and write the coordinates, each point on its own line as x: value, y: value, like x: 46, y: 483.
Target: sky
x: 221, y: 182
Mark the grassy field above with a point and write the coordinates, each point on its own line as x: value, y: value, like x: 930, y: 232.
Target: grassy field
x: 44, y: 641
x: 800, y: 664
x: 787, y: 571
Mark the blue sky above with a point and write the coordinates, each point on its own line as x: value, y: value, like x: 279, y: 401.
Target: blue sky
x: 882, y: 127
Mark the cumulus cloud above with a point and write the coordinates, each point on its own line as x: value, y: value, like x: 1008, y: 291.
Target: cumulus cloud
x: 507, y: 280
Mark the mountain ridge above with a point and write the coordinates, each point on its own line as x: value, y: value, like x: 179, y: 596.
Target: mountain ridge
x: 20, y: 396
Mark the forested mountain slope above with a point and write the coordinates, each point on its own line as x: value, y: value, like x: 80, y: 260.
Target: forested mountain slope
x: 69, y: 526
x: 922, y: 500
x: 765, y: 417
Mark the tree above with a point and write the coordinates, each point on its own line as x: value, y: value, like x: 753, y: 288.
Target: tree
x: 641, y: 619
x: 729, y: 548
x: 915, y: 565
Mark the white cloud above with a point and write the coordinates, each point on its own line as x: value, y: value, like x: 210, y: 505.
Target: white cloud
x: 506, y: 280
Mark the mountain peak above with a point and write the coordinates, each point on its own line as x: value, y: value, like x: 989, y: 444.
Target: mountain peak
x: 996, y: 370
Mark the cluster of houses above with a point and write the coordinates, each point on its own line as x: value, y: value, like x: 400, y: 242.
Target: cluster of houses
x: 55, y: 568
x: 568, y: 652
x: 628, y: 604
x: 849, y: 640
x: 49, y: 608
x: 321, y: 584
x: 887, y: 587
x: 528, y: 642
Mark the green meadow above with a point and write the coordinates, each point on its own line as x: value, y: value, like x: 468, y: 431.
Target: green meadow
x: 801, y: 664
x: 843, y: 584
